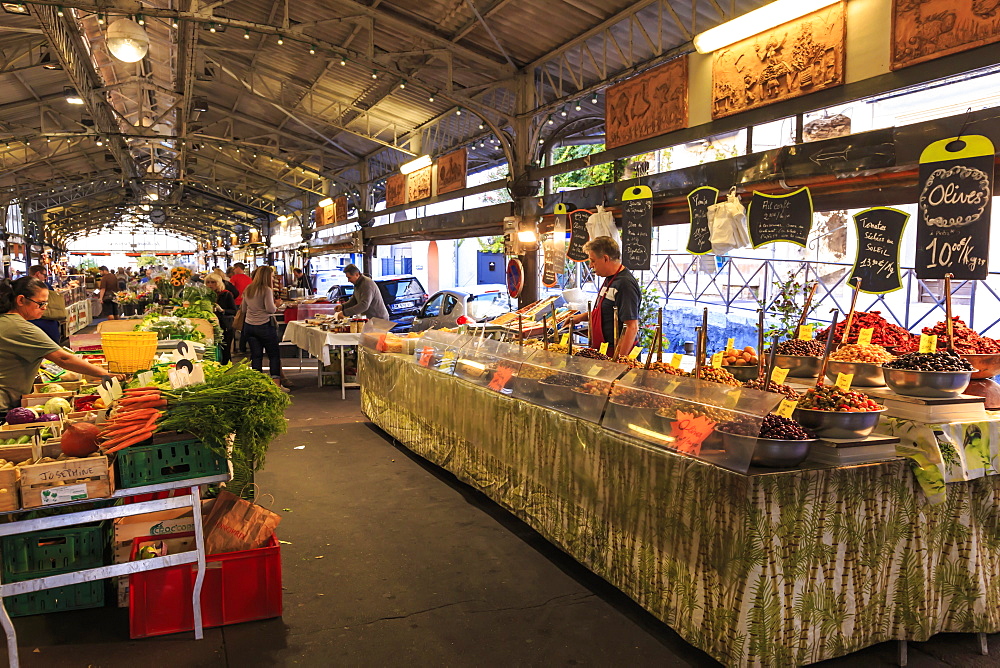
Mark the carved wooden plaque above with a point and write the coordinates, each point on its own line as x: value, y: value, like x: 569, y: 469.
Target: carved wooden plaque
x: 926, y: 29
x: 794, y: 59
x: 340, y: 206
x: 451, y: 171
x: 418, y: 184
x: 395, y: 190
x: 651, y: 104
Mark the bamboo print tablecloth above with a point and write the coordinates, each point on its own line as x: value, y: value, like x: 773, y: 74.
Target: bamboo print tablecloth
x: 781, y: 569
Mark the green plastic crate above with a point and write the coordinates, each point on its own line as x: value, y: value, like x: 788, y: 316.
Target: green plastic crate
x: 73, y: 597
x: 181, y: 460
x: 52, y: 551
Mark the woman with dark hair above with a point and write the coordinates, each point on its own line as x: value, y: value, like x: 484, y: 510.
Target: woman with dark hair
x: 23, y: 346
x: 259, y: 305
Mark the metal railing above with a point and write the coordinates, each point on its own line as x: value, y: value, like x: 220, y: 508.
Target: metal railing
x: 742, y: 284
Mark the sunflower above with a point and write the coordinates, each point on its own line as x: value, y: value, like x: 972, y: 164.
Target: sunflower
x: 158, y: 279
x: 176, y: 282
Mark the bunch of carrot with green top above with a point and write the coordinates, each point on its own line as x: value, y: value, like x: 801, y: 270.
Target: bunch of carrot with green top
x: 134, y: 419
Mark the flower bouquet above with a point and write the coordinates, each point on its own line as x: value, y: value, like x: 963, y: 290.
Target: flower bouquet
x: 128, y: 301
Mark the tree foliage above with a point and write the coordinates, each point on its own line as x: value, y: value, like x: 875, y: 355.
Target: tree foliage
x: 582, y: 178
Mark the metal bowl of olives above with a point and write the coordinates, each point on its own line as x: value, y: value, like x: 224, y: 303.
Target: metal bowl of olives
x: 557, y: 394
x: 526, y: 387
x: 799, y: 366
x: 865, y: 373
x: 838, y: 424
x: 770, y: 452
x: 589, y: 403
x: 987, y: 366
x: 741, y: 373
x: 927, y: 384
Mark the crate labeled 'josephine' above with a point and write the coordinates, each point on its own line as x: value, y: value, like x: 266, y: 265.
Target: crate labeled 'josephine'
x: 64, y: 481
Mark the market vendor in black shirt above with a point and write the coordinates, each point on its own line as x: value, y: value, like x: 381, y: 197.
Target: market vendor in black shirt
x: 619, y: 291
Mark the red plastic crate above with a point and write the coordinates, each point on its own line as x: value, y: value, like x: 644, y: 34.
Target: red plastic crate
x: 239, y: 587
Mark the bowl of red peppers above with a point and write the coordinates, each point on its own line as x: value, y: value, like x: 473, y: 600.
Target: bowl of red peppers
x: 884, y: 333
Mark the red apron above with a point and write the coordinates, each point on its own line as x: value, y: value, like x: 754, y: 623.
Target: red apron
x: 596, y: 320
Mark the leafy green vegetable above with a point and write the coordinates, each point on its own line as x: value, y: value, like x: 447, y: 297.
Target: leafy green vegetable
x: 235, y: 401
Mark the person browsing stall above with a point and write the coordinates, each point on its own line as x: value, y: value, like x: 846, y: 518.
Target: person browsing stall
x: 108, y: 286
x: 23, y: 346
x: 240, y: 281
x: 619, y: 291
x: 56, y: 311
x: 366, y: 300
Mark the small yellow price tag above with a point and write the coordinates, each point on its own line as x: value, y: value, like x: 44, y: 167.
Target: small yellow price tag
x: 604, y: 348
x: 844, y: 381
x: 928, y: 343
x: 806, y: 332
x: 779, y: 375
x: 565, y: 340
x: 717, y: 360
x: 675, y: 360
x: 865, y: 336
x: 729, y: 343
x: 635, y: 352
x: 786, y: 408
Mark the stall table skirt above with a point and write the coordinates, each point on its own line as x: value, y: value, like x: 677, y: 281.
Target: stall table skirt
x: 777, y: 569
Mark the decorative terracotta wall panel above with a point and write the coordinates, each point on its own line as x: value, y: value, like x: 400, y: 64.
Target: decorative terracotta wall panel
x: 451, y: 171
x: 794, y: 59
x: 418, y: 184
x: 395, y: 190
x: 926, y: 29
x: 651, y: 104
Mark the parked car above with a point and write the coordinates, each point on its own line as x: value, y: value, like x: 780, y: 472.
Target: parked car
x: 338, y: 294
x: 449, y: 308
x: 403, y: 297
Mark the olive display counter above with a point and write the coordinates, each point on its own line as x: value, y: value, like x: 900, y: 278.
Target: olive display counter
x: 767, y: 568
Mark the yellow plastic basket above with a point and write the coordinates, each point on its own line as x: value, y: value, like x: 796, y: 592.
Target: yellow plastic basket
x: 127, y: 352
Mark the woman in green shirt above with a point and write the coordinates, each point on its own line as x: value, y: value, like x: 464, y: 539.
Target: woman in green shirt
x: 23, y: 346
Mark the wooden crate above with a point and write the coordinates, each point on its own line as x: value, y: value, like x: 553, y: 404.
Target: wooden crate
x: 70, y: 385
x: 28, y: 400
x: 8, y: 489
x: 56, y: 427
x: 70, y: 480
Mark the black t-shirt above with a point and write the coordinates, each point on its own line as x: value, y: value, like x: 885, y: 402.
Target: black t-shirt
x: 621, y: 292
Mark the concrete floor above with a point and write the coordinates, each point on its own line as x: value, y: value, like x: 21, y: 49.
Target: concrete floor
x: 392, y: 561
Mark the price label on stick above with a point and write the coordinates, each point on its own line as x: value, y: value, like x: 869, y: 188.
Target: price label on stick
x: 844, y: 381
x: 604, y: 348
x: 928, y: 343
x: 145, y: 378
x: 730, y: 342
x: 635, y: 352
x: 786, y: 408
x: 564, y: 341
x: 778, y: 375
x: 806, y: 332
x: 104, y: 391
x: 675, y: 360
x: 865, y: 336
x: 717, y: 360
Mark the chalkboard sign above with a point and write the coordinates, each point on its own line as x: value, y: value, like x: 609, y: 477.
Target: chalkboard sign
x: 953, y: 212
x: 780, y: 217
x: 700, y: 236
x: 637, y: 227
x: 578, y: 235
x: 549, y: 269
x: 877, y: 264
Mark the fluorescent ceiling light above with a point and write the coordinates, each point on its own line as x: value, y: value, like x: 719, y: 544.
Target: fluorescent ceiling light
x: 71, y: 95
x: 756, y: 22
x: 325, y: 202
x: 414, y: 165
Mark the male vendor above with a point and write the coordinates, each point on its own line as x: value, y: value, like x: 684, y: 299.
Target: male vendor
x: 619, y: 292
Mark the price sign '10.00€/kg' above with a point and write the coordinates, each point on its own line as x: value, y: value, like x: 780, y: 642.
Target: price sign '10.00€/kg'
x: 953, y: 214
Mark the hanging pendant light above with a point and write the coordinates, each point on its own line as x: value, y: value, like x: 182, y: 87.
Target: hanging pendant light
x: 127, y: 41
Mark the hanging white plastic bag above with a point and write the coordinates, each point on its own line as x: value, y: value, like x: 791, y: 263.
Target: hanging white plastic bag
x: 727, y: 222
x: 602, y: 224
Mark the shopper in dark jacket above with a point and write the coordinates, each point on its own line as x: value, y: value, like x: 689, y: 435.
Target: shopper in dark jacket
x: 225, y: 309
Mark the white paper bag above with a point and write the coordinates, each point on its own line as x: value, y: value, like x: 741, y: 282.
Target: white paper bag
x: 727, y: 222
x: 602, y: 224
